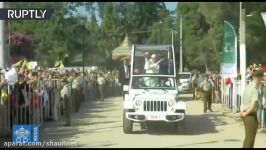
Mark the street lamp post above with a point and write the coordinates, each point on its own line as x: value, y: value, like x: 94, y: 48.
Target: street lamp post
x: 83, y: 51
x: 242, y: 40
x: 161, y: 32
x: 181, y: 50
x: 173, y: 32
x: 83, y: 57
x: 172, y: 37
x: 2, y: 41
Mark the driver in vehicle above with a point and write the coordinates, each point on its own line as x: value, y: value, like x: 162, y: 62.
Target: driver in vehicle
x: 138, y: 82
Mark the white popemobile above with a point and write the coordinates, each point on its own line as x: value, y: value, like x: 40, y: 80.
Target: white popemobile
x: 152, y: 94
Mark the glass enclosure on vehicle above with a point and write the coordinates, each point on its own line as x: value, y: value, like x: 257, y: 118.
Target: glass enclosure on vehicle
x: 153, y: 60
x: 184, y: 76
x: 153, y: 82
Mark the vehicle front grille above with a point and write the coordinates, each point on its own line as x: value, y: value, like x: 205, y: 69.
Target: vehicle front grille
x: 158, y: 106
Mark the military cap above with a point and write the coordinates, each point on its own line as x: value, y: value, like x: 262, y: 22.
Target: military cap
x: 257, y: 72
x: 126, y: 59
x: 206, y: 75
x: 76, y: 74
x: 64, y: 80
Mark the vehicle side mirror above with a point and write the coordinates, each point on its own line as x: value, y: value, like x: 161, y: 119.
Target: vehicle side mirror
x: 125, y: 88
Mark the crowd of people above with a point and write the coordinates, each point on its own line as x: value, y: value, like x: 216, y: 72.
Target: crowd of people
x: 253, y: 105
x: 73, y: 85
x: 59, y: 91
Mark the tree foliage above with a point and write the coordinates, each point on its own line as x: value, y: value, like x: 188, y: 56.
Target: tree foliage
x: 96, y: 28
x: 203, y: 30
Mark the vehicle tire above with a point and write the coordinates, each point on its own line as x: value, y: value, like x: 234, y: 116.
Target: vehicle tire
x: 143, y: 126
x: 180, y: 126
x: 127, y: 124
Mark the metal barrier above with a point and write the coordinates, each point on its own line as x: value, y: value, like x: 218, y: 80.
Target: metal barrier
x: 23, y: 106
x: 231, y: 95
x: 216, y: 90
x: 231, y: 98
x: 28, y: 104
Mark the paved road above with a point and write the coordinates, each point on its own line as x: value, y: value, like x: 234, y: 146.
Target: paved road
x: 99, y: 124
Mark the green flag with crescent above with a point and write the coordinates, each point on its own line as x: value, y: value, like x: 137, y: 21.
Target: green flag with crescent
x: 229, y: 57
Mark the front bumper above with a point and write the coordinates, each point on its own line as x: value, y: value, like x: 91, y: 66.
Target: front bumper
x: 152, y: 116
x: 183, y: 88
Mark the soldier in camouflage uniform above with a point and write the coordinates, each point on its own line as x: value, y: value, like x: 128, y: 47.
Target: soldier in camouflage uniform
x: 65, y: 95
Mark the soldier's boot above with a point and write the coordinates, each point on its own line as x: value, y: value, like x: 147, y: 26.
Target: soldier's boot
x: 67, y: 118
x: 204, y: 106
x: 77, y: 106
x: 76, y: 102
x: 67, y: 122
x: 206, y: 101
x: 210, y: 106
x: 143, y: 126
x: 101, y: 94
x: 67, y: 113
x: 82, y: 95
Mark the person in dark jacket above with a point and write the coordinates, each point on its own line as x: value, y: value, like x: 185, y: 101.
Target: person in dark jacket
x: 124, y: 72
x: 163, y: 67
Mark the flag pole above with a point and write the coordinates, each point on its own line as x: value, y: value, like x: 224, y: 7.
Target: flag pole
x: 2, y: 41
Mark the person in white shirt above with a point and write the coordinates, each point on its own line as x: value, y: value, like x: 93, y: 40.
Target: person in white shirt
x: 152, y: 65
x: 101, y: 82
x: 206, y: 92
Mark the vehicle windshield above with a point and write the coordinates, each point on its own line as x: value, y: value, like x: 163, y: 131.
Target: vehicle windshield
x: 184, y: 76
x: 153, y: 60
x: 153, y: 82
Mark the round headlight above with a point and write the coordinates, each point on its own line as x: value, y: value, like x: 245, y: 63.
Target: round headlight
x: 173, y: 110
x: 138, y: 103
x: 171, y: 103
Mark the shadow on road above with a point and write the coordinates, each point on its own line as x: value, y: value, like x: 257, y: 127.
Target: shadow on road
x: 190, y: 144
x: 232, y: 140
x: 82, y: 123
x: 100, y: 145
x: 195, y: 125
x: 188, y: 97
